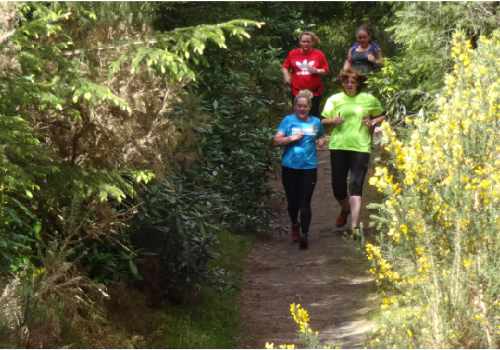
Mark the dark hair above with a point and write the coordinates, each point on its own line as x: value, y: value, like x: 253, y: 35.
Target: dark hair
x: 366, y: 29
x: 314, y: 37
x: 352, y: 73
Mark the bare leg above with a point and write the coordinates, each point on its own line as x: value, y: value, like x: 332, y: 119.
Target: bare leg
x: 355, y: 202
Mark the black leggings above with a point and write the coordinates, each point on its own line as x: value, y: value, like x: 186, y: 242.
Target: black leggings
x: 299, y: 187
x: 342, y: 162
x: 316, y: 100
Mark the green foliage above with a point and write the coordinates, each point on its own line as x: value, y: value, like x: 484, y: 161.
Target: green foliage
x: 423, y: 30
x: 233, y: 144
x: 437, y: 253
x: 237, y: 155
x: 178, y: 223
x: 57, y: 101
x: 18, y: 154
x: 172, y: 53
x: 85, y: 122
x: 212, y: 321
x: 39, y: 302
x: 95, y: 103
x: 401, y: 91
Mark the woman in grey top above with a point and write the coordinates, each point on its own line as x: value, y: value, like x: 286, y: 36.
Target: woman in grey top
x: 365, y: 55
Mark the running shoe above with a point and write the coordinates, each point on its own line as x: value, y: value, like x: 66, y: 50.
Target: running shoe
x: 295, y: 232
x: 342, y: 218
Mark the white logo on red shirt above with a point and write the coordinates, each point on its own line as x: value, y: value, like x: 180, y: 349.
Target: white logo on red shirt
x: 304, y: 67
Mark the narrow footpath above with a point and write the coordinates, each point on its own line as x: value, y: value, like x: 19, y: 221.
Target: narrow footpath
x: 330, y: 279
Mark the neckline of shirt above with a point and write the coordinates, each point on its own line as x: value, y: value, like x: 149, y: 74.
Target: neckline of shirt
x: 302, y: 120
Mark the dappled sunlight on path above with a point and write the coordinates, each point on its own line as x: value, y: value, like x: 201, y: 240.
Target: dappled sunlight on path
x: 330, y: 280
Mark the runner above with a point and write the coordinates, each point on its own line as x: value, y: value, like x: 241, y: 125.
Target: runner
x: 298, y: 132
x: 365, y: 55
x: 303, y: 69
x: 353, y: 115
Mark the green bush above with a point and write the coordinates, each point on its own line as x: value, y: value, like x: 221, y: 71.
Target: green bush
x: 238, y: 155
x: 437, y: 252
x: 422, y: 31
x: 235, y: 144
x: 177, y: 225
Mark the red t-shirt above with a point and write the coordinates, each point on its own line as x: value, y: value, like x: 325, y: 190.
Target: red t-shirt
x: 298, y: 62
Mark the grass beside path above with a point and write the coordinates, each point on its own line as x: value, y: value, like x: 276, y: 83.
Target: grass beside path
x: 214, y: 320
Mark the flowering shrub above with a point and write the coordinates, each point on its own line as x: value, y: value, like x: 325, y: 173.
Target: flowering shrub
x: 308, y: 337
x: 436, y: 258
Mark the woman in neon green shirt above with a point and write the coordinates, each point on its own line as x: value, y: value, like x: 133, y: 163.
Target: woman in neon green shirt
x: 352, y: 115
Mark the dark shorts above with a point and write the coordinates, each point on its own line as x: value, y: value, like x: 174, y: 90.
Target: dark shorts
x: 348, y: 162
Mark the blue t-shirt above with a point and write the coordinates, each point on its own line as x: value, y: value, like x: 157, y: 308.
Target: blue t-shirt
x: 301, y: 154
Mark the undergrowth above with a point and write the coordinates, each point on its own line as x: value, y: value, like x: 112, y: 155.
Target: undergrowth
x: 212, y: 321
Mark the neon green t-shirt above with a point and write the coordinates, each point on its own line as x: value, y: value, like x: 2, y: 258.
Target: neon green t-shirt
x: 352, y: 134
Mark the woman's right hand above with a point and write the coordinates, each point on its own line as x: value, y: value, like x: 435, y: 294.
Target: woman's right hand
x: 371, y: 58
x: 295, y: 137
x: 287, y: 79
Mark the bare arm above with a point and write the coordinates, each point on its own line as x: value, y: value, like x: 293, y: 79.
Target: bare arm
x: 286, y: 76
x: 321, y: 142
x: 332, y: 123
x: 371, y: 122
x: 281, y: 140
x: 319, y: 71
x: 378, y: 120
x: 348, y: 61
x: 377, y: 58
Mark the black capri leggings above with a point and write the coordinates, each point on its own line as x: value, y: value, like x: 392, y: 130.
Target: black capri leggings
x: 342, y: 162
x: 299, y: 187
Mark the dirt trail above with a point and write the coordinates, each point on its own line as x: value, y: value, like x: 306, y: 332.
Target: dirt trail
x: 329, y: 279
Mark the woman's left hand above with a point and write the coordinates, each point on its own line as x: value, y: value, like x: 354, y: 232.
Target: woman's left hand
x: 321, y: 142
x: 312, y: 70
x: 368, y: 122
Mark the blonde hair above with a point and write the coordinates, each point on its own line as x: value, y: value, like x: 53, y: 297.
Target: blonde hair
x: 308, y: 95
x: 314, y: 37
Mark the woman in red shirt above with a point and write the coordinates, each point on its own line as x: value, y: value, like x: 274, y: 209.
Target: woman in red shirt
x: 304, y: 67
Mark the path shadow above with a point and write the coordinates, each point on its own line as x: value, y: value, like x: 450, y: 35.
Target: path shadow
x: 330, y: 280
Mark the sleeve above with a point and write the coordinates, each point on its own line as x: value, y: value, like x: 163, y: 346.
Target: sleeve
x: 329, y: 109
x: 283, y: 127
x: 374, y: 47
x: 376, y: 108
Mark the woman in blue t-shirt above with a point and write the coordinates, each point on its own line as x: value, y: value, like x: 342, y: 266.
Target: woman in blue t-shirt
x: 365, y: 55
x: 298, y: 132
